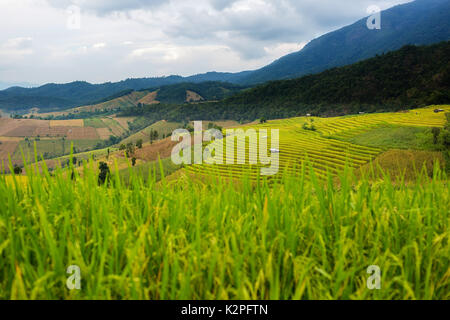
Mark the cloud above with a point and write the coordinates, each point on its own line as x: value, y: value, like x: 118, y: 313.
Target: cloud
x: 222, y: 4
x: 19, y: 43
x: 117, y: 39
x: 16, y: 47
x: 100, y: 45
x: 103, y: 7
x: 282, y: 49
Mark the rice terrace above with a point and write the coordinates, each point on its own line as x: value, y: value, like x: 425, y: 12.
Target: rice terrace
x: 323, y: 175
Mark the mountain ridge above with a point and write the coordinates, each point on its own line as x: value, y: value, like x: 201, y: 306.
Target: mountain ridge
x: 414, y: 76
x: 421, y: 22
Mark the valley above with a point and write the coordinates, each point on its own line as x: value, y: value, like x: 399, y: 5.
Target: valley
x: 323, y: 175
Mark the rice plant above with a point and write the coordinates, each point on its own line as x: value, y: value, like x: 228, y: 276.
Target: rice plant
x: 294, y: 238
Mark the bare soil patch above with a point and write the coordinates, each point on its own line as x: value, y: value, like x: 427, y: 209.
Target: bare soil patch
x: 67, y: 123
x: 24, y: 131
x: 150, y: 98
x: 82, y: 133
x: 103, y: 133
x: 192, y: 96
x: 7, y: 148
x: 21, y: 127
x: 124, y: 122
x: 162, y: 148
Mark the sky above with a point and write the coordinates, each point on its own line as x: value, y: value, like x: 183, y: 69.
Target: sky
x: 60, y: 41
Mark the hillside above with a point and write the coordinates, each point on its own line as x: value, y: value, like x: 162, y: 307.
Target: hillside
x: 55, y: 97
x: 419, y: 23
x: 183, y: 92
x: 232, y: 228
x: 178, y: 93
x: 410, y: 77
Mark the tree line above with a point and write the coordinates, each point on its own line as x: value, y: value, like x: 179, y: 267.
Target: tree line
x: 408, y: 78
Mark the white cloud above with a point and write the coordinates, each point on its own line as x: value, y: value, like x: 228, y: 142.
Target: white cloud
x: 118, y: 39
x: 16, y: 47
x: 282, y: 49
x: 99, y: 45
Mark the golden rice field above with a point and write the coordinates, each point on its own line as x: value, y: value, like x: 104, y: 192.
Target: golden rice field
x: 325, y: 154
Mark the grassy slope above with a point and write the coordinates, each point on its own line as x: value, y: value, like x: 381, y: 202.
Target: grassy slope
x: 94, y: 122
x: 122, y: 102
x: 149, y: 170
x: 54, y: 148
x: 162, y: 127
x: 404, y: 165
x: 396, y: 137
x: 409, y: 151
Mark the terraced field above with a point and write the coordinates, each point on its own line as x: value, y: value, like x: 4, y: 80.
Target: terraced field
x: 318, y: 146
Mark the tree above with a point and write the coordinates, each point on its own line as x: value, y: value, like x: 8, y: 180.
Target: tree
x: 104, y: 174
x: 139, y: 144
x: 122, y: 147
x: 153, y: 136
x: 133, y: 161
x: 130, y: 149
x: 263, y: 120
x: 63, y: 139
x: 17, y: 169
x: 74, y: 161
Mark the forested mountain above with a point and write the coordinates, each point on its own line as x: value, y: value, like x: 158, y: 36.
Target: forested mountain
x: 83, y: 93
x: 63, y: 96
x: 403, y: 79
x: 421, y: 22
x: 418, y: 23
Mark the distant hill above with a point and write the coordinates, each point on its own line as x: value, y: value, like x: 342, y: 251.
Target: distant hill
x: 83, y: 94
x: 421, y: 22
x: 403, y: 79
x: 6, y: 85
x: 55, y: 97
x: 170, y: 94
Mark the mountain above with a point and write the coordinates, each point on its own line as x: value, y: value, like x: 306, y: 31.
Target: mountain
x: 171, y: 94
x: 6, y: 85
x: 420, y: 22
x: 403, y: 79
x: 51, y: 97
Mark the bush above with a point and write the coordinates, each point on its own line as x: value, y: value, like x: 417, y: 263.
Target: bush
x: 17, y: 169
x: 104, y: 173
